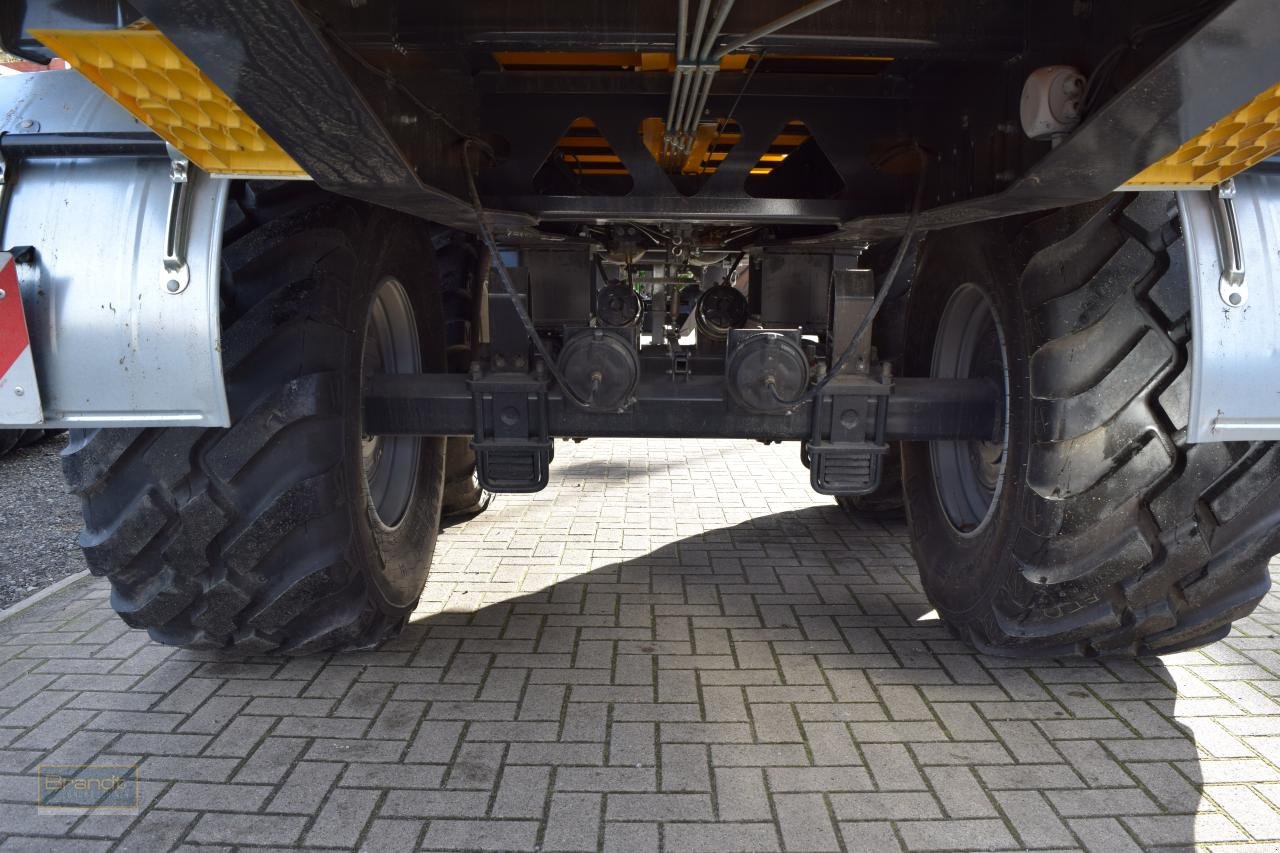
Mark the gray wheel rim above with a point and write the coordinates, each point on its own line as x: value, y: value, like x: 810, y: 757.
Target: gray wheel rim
x: 391, y: 346
x: 969, y: 475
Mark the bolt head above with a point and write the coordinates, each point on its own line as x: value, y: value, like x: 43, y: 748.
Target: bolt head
x: 172, y: 285
x: 2, y: 294
x: 18, y: 391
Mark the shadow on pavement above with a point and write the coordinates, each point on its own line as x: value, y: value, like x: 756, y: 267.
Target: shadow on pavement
x: 793, y: 656
x: 777, y: 683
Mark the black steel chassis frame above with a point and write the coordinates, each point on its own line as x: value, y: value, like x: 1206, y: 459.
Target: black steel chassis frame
x: 290, y: 73
x: 288, y: 64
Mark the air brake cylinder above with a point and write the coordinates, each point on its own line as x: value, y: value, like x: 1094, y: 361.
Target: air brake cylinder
x: 618, y: 305
x: 601, y: 368
x: 719, y: 310
x: 766, y: 370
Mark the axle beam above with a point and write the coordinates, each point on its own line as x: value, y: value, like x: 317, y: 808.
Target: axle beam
x: 692, y: 407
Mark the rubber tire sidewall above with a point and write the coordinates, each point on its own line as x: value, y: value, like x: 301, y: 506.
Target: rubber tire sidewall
x: 962, y: 573
x: 397, y: 559
x: 10, y: 439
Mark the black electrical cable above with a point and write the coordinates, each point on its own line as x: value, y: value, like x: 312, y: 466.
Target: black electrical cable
x: 733, y: 108
x: 1106, y: 66
x: 390, y: 80
x: 732, y: 269
x: 469, y: 140
x: 504, y: 278
x: 881, y: 296
x: 595, y: 308
x: 603, y: 273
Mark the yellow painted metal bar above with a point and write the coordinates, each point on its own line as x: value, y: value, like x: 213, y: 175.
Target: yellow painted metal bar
x: 146, y: 74
x: 1241, y: 139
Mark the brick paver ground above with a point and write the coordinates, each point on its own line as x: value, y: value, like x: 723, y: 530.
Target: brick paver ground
x: 677, y: 645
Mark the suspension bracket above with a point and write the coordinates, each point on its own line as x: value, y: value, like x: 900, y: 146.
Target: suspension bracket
x: 512, y: 440
x: 847, y: 447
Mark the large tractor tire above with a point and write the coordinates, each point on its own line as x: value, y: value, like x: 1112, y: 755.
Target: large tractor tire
x: 1093, y: 527
x: 13, y: 439
x: 288, y: 531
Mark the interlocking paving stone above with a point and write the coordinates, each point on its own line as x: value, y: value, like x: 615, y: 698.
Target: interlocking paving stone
x: 676, y: 646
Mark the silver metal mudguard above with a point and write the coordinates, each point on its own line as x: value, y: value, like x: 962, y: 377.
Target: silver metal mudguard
x: 1232, y: 236
x: 121, y: 291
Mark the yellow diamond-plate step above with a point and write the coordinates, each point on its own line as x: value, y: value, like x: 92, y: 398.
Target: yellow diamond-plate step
x: 146, y: 74
x: 1247, y: 136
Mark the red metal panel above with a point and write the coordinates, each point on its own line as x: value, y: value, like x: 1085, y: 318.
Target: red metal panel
x: 13, y: 325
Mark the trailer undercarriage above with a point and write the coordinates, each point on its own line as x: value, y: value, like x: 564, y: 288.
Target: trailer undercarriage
x: 1009, y: 266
